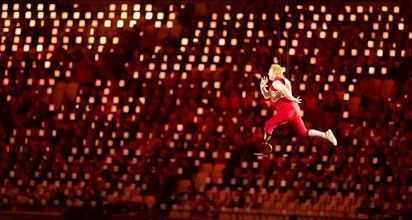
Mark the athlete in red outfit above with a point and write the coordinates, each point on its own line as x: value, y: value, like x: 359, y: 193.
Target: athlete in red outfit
x: 286, y: 106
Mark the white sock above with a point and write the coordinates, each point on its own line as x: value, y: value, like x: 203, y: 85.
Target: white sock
x: 316, y: 133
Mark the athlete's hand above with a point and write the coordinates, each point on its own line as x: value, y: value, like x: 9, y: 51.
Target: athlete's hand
x: 298, y: 100
x: 264, y: 81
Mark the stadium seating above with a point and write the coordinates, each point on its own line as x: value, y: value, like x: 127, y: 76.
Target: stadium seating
x: 143, y: 103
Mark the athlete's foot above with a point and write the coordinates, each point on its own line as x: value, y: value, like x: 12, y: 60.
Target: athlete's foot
x: 331, y: 137
x: 266, y: 154
x: 271, y: 148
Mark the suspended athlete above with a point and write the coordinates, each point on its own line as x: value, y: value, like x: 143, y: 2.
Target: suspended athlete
x: 286, y: 107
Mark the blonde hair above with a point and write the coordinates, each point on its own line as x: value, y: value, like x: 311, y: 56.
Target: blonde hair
x: 277, y: 69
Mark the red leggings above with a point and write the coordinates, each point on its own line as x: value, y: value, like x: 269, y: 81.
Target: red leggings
x: 286, y: 111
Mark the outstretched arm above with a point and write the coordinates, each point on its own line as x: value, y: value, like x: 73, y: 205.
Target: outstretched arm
x: 285, y: 91
x: 263, y: 89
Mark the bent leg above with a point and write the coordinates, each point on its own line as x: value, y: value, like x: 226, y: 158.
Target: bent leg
x: 299, y: 127
x: 316, y: 133
x: 274, y: 121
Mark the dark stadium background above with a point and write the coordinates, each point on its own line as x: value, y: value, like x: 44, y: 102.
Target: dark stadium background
x: 151, y: 109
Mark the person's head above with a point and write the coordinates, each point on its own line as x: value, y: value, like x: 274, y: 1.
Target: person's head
x: 275, y: 70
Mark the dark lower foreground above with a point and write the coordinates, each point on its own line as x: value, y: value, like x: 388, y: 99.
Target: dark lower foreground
x: 137, y: 211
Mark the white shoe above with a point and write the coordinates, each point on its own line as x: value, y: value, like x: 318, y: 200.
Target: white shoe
x: 331, y: 137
